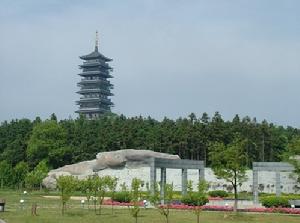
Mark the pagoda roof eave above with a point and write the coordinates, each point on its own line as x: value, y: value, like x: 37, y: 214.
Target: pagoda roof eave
x: 95, y: 55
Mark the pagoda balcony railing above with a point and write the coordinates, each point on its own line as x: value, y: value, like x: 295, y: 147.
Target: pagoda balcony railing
x: 93, y: 81
x: 88, y: 108
x: 87, y: 99
x: 95, y: 87
x: 88, y: 63
x: 91, y: 62
x: 93, y: 109
x: 103, y: 100
x: 95, y: 64
x: 96, y: 72
x: 95, y: 90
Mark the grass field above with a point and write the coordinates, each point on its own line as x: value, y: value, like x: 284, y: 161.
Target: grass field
x: 49, y: 212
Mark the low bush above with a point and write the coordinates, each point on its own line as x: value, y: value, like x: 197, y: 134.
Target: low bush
x: 273, y: 201
x: 291, y: 196
x: 123, y: 196
x: 193, y: 200
x: 218, y: 193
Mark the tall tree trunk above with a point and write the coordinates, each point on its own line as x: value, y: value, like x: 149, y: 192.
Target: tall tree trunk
x: 100, y: 208
x: 63, y: 208
x: 235, y: 194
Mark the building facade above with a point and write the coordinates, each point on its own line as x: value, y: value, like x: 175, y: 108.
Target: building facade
x: 95, y: 87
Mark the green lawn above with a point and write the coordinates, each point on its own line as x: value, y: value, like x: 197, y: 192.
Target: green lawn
x: 49, y: 212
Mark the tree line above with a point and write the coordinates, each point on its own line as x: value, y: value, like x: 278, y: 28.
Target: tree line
x: 27, y: 143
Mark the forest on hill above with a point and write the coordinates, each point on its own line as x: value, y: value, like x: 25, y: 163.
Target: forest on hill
x: 70, y: 141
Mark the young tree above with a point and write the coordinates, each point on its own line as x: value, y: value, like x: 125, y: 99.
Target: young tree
x: 34, y: 178
x: 165, y: 209
x: 135, y: 196
x: 31, y: 180
x: 200, y: 198
x: 100, y: 185
x: 112, y: 186
x: 19, y: 173
x: 66, y: 186
x: 292, y: 155
x: 41, y: 171
x: 229, y: 162
x: 86, y: 187
x: 154, y: 198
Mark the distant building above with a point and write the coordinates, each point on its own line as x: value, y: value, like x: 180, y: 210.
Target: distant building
x: 95, y: 87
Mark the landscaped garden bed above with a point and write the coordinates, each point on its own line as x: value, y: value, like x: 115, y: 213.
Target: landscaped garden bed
x: 214, y: 208
x: 224, y: 208
x: 116, y: 203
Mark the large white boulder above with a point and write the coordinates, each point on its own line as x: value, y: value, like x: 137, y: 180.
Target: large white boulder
x: 113, y: 160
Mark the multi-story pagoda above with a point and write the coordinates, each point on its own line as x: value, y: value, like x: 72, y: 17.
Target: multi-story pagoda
x: 94, y: 85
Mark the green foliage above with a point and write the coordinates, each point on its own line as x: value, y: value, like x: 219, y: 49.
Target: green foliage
x: 218, y: 193
x: 154, y: 198
x: 122, y: 196
x: 87, y: 187
x: 197, y: 198
x: 5, y: 174
x: 165, y: 209
x: 189, y: 187
x: 193, y: 200
x: 13, y: 140
x: 48, y: 213
x: 48, y: 141
x: 229, y: 163
x: 70, y: 141
x: 31, y: 180
x: 273, y: 201
x: 169, y: 193
x: 201, y: 198
x: 19, y: 173
x: 292, y: 155
x: 112, y: 185
x: 100, y: 187
x: 135, y: 189
x: 66, y: 185
x: 34, y: 178
x: 135, y: 196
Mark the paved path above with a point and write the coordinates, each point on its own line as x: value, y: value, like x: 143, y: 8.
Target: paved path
x: 1, y: 221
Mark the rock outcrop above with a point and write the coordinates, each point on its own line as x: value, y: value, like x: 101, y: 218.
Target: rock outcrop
x: 119, y: 159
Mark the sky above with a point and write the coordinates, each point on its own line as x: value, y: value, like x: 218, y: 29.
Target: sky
x: 170, y: 58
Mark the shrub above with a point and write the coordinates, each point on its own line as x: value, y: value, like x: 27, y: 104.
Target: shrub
x: 193, y: 200
x: 273, y: 201
x: 292, y: 196
x: 123, y: 196
x: 218, y: 193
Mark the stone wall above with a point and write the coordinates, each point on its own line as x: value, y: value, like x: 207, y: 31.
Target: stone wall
x: 266, y: 179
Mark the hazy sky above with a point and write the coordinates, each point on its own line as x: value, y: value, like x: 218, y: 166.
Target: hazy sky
x: 170, y: 58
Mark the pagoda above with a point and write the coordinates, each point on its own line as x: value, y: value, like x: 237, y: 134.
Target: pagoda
x: 95, y: 88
